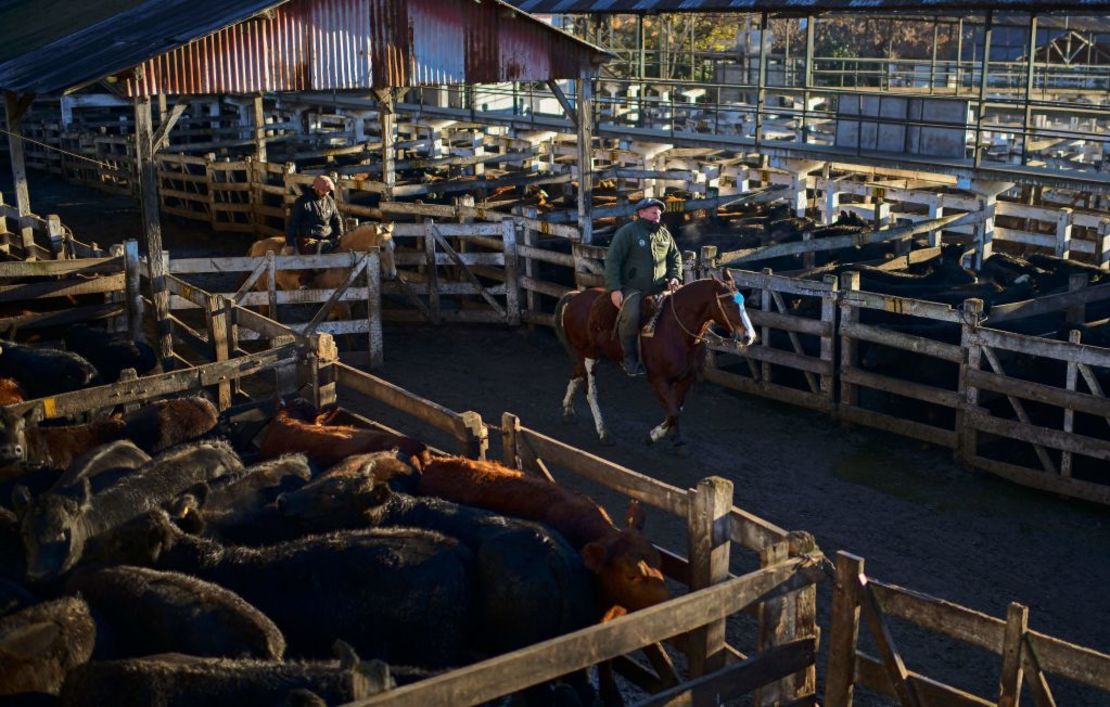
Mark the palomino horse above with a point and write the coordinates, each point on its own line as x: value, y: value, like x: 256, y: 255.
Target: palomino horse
x: 362, y: 238
x: 585, y: 322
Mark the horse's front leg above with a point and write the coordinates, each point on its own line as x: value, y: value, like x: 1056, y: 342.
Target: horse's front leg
x: 591, y: 397
x: 678, y: 399
x: 573, y: 386
x: 664, y: 391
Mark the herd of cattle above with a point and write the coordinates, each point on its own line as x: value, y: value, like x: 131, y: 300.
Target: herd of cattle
x: 146, y: 560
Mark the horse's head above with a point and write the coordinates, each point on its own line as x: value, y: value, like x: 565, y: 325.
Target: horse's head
x: 730, y: 311
x: 370, y: 235
x: 386, y: 246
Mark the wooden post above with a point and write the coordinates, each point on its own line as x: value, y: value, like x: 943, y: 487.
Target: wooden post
x: 322, y: 371
x: 512, y: 272
x: 775, y: 628
x: 5, y: 235
x: 1102, y: 245
x: 387, y: 123
x: 709, y: 548
x: 14, y: 109
x: 374, y: 308
x: 1076, y: 313
x: 1009, y: 679
x: 1063, y: 232
x: 285, y: 376
x: 531, y: 298
x: 134, y: 295
x: 707, y: 258
x: 216, y: 307
x: 258, y: 113
x: 56, y: 237
x: 966, y: 437
x: 152, y: 228
x: 828, y: 342
x: 849, y: 393
x: 431, y: 278
x: 474, y: 438
x: 843, y: 631
x: 510, y: 435
x: 765, y: 332
x: 271, y: 285
x: 584, y: 104
x: 118, y: 324
x: 1070, y: 381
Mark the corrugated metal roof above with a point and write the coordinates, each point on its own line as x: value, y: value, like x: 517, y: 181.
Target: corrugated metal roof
x: 92, y: 51
x: 204, y: 46
x: 617, y: 7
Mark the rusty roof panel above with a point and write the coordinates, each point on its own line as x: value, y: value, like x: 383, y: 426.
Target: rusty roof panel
x: 303, y: 45
x: 620, y: 7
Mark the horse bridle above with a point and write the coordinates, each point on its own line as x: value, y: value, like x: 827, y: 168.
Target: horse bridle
x: 711, y: 336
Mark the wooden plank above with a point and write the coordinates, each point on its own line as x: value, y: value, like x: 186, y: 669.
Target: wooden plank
x: 1075, y: 400
x: 1009, y: 679
x: 790, y: 323
x: 788, y: 359
x: 550, y: 659
x: 909, y: 389
x: 1038, y: 346
x: 779, y: 283
x: 891, y: 660
x: 902, y: 305
x: 870, y: 674
x: 62, y: 288
x: 916, y: 430
x: 959, y: 622
x: 843, y: 631
x: 1034, y: 676
x: 619, y: 478
x: 73, y: 315
x: 82, y: 266
x: 774, y: 391
x: 1035, y: 434
x: 708, y: 547
x: 400, y: 399
x: 466, y: 271
x: 735, y: 681
x: 544, y: 288
x: 157, y: 386
x: 185, y: 266
x: 899, y: 340
x: 1085, y: 490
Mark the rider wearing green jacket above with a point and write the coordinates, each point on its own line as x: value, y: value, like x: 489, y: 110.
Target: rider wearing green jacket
x: 643, y: 260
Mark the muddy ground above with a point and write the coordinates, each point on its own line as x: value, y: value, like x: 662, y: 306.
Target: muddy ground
x: 917, y: 518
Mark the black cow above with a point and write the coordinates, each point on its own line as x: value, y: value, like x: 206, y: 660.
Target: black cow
x: 41, y: 371
x: 41, y: 643
x: 176, y: 680
x: 400, y: 595
x: 57, y: 525
x: 140, y: 611
x: 110, y: 353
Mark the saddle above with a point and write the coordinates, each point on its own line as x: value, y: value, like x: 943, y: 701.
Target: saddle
x: 307, y: 245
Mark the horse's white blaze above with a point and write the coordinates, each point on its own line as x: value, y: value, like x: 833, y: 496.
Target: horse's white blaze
x: 659, y: 431
x: 591, y: 396
x: 572, y: 390
x: 389, y: 263
x: 749, y: 330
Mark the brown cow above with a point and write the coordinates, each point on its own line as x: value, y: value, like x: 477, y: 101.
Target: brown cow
x: 299, y: 428
x: 11, y: 392
x: 625, y: 563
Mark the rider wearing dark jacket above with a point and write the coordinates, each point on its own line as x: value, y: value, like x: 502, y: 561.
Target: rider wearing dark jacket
x: 643, y: 260
x: 314, y: 219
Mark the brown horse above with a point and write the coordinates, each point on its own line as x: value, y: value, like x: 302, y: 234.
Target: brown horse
x: 362, y: 238
x: 585, y: 322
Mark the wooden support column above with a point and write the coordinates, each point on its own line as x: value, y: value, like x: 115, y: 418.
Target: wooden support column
x: 152, y: 228
x: 708, y: 522
x: 1030, y: 74
x: 258, y: 114
x: 14, y: 108
x: 387, y: 121
x: 761, y: 88
x: 988, y: 30
x: 967, y: 446
x: 808, y: 80
x: 843, y: 631
x: 375, y: 344
x: 1063, y: 232
x: 584, y: 100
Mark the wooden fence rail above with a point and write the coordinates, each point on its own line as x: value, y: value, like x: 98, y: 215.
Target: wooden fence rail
x: 1025, y: 655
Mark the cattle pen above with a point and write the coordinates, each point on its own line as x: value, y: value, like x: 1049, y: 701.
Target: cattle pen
x: 775, y: 656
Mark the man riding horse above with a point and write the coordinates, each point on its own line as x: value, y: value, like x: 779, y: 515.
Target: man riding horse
x: 315, y: 225
x: 643, y: 260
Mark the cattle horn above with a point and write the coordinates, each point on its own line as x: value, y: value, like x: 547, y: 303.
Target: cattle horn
x: 635, y: 517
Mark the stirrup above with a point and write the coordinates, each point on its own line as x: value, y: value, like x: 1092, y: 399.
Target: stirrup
x: 633, y: 369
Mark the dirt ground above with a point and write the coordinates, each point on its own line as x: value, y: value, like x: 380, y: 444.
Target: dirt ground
x: 918, y: 519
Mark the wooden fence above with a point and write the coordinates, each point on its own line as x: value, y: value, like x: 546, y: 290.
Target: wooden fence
x: 1025, y: 656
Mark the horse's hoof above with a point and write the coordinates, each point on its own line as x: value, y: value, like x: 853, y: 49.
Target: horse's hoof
x: 568, y: 417
x: 681, y: 450
x: 607, y: 440
x: 648, y: 441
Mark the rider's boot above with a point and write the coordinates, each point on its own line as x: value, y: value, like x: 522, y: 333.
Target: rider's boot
x: 631, y: 363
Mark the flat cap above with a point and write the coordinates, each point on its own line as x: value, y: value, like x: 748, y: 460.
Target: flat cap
x: 649, y: 201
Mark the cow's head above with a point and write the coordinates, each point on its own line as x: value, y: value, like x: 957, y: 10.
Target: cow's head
x: 13, y: 437
x: 343, y: 496
x: 52, y: 529
x: 627, y: 566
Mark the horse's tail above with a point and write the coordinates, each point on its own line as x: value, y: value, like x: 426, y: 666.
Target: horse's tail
x: 560, y: 332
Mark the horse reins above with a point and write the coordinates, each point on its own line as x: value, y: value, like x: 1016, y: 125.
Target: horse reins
x: 709, y: 333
